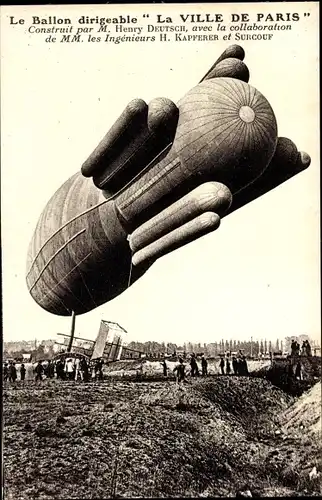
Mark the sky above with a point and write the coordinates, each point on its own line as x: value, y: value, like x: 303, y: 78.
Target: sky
x: 259, y: 274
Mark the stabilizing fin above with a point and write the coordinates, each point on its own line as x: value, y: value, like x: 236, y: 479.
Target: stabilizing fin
x: 192, y: 216
x: 136, y: 138
x: 230, y: 67
x: 233, y: 51
x: 192, y: 230
x: 286, y: 162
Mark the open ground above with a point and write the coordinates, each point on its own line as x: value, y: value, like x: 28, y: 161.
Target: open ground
x: 210, y: 437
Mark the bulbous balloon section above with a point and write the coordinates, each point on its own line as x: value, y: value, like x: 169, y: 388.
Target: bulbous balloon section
x: 163, y: 176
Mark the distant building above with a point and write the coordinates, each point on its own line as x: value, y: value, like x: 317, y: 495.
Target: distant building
x: 23, y: 345
x: 48, y: 345
x: 26, y: 357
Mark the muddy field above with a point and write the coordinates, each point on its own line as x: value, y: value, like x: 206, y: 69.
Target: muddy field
x: 214, y: 437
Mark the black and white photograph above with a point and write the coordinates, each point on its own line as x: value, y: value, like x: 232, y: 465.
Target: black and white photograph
x: 160, y: 229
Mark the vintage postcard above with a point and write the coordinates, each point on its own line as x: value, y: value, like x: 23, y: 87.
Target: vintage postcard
x: 160, y: 173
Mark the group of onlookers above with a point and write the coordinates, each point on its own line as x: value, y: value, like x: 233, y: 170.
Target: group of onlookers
x: 194, y: 368
x: 79, y: 368
x: 233, y: 364
x: 180, y: 368
x: 68, y: 368
x: 296, y: 350
x: 237, y: 363
x: 10, y: 371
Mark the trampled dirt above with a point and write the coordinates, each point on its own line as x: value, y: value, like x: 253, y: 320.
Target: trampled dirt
x: 213, y: 437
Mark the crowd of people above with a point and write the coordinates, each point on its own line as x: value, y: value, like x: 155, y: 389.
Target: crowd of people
x: 80, y: 368
x: 294, y: 368
x: 236, y: 364
x: 305, y: 350
x: 68, y: 368
x: 181, y: 370
x: 10, y: 371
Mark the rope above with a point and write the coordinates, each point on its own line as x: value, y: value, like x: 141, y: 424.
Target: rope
x: 89, y: 292
x: 130, y: 273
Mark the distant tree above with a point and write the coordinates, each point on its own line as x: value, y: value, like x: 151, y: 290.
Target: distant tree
x: 282, y: 346
x: 171, y: 348
x: 40, y: 350
x: 303, y: 337
x: 265, y: 346
x: 194, y: 347
x: 270, y: 346
x: 50, y: 351
x: 288, y: 341
x: 17, y: 355
x: 261, y: 348
x: 277, y: 347
x: 287, y: 344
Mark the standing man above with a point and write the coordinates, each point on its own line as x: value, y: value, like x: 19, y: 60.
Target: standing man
x: 165, y: 367
x: 222, y: 365
x: 12, y: 372
x: 78, y: 370
x: 243, y: 362
x: 39, y: 370
x: 69, y: 368
x: 59, y: 369
x: 52, y: 369
x: 179, y: 370
x: 303, y: 348
x: 194, y: 366
x: 84, y: 369
x: 235, y: 365
x: 293, y: 347
x: 204, y: 366
x: 227, y: 365
x: 22, y: 372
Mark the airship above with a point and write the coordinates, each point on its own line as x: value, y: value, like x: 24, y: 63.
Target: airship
x: 164, y: 175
